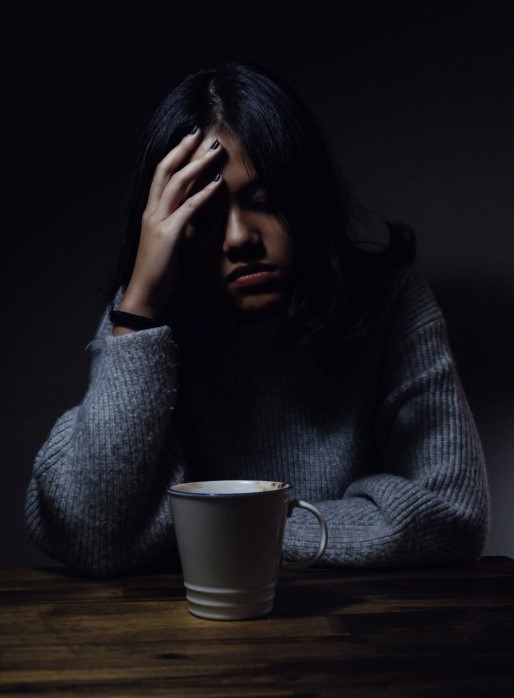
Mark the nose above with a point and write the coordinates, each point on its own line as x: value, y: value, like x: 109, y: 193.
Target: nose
x: 239, y: 231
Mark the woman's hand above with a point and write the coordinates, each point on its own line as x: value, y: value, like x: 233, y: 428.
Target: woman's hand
x: 176, y: 193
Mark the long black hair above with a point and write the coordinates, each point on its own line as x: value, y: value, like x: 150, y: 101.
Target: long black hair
x: 336, y: 279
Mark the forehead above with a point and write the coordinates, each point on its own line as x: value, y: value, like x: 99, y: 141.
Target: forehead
x: 236, y: 167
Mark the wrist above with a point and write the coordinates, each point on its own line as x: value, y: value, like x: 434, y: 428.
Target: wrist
x: 132, y: 321
x: 118, y: 330
x: 135, y: 304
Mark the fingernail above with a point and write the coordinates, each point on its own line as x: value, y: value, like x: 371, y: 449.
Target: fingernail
x: 193, y: 130
x: 215, y: 144
x: 216, y: 178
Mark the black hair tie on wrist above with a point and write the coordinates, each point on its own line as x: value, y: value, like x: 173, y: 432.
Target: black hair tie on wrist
x: 135, y: 322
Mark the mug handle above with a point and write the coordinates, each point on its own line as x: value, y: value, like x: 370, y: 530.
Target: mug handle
x: 302, y: 564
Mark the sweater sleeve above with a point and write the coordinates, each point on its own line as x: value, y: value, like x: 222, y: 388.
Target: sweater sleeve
x: 97, y: 500
x: 428, y: 499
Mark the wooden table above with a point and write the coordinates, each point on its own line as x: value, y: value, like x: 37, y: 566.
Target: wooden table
x: 428, y: 632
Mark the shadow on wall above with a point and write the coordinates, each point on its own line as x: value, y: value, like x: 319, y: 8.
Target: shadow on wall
x: 480, y: 316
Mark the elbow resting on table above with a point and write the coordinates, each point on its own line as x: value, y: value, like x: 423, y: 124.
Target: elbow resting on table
x: 467, y: 535
x: 457, y: 537
x: 88, y: 547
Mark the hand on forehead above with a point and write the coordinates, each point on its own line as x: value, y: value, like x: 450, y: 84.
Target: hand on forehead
x: 236, y: 170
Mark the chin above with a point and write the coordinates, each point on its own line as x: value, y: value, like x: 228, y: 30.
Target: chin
x: 257, y: 305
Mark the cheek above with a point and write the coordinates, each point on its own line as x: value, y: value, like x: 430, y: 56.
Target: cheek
x: 279, y: 242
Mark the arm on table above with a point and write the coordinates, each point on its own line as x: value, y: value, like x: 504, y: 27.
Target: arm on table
x: 97, y: 499
x: 430, y: 502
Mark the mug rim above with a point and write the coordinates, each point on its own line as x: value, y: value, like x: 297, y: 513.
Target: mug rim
x: 282, y: 487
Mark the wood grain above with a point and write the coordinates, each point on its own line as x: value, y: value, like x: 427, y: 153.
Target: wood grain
x: 445, y: 631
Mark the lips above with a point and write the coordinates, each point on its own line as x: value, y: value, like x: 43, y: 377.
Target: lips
x: 248, y: 269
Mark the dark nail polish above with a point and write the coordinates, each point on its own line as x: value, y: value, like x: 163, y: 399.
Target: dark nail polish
x: 193, y: 130
x: 215, y: 144
x: 216, y: 178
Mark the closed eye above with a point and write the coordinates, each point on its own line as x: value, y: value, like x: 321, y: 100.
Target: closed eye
x: 262, y: 205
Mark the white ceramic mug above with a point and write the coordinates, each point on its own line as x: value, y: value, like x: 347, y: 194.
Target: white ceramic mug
x: 229, y: 537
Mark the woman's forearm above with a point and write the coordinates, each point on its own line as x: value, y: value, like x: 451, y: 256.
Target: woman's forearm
x: 97, y: 500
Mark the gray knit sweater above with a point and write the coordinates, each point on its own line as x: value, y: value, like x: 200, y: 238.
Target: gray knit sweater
x: 387, y: 449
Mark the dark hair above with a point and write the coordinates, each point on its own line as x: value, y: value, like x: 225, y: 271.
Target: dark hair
x: 337, y: 279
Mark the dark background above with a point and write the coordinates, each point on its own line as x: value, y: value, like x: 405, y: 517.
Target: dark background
x: 417, y: 99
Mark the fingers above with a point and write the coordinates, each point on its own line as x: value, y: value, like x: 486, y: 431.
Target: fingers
x: 182, y: 183
x: 187, y: 180
x: 168, y: 164
x: 184, y: 213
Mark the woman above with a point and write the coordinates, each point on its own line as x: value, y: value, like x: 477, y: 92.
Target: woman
x: 250, y: 336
